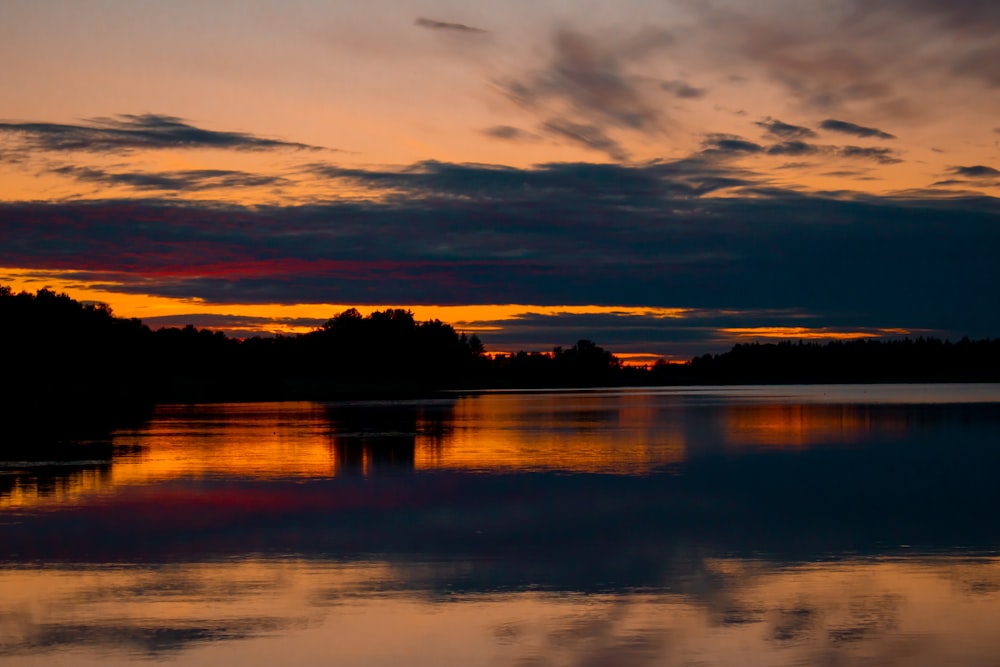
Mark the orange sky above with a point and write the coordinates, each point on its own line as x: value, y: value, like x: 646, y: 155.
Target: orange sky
x: 338, y: 104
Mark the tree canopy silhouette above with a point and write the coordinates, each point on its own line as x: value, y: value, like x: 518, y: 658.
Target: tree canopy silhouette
x: 60, y: 351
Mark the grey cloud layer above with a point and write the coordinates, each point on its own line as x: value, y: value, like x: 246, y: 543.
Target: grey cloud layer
x: 128, y: 132
x: 555, y: 234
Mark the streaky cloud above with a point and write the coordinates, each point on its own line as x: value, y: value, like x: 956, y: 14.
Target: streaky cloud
x: 794, y: 147
x: 584, y: 91
x: 784, y: 130
x: 178, y: 181
x: 431, y: 24
x: 844, y: 127
x: 732, y: 144
x: 876, y: 153
x: 586, y: 135
x: 128, y: 132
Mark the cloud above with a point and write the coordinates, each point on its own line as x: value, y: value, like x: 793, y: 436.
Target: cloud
x: 179, y: 181
x: 844, y: 127
x: 682, y: 89
x: 441, y: 25
x: 586, y: 135
x: 878, y: 154
x: 966, y: 17
x: 585, y: 90
x: 645, y: 185
x: 785, y: 131
x: 794, y: 148
x: 801, y: 148
x: 977, y: 171
x: 509, y: 133
x: 818, y: 62
x: 565, y: 233
x: 728, y: 143
x: 125, y: 133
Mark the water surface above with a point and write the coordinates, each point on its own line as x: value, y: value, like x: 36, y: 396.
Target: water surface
x: 716, y: 526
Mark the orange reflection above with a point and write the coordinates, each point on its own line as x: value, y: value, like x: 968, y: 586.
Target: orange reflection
x: 259, y: 440
x: 52, y: 485
x: 803, y: 425
x: 615, y: 432
x: 928, y: 611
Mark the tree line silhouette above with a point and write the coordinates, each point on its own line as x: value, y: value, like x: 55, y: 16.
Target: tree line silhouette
x: 60, y: 351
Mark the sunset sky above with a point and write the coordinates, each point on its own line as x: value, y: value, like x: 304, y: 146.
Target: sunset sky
x: 663, y: 177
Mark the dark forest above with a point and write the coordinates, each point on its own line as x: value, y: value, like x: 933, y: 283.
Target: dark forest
x: 96, y: 366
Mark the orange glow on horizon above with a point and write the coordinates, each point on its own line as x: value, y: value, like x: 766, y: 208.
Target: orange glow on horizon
x: 806, y: 333
x: 471, y: 318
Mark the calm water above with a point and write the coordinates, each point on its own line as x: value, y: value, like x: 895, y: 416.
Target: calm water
x: 734, y: 526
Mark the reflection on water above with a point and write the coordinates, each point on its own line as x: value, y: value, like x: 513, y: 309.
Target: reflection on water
x: 23, y: 485
x: 749, y: 525
x: 621, y: 431
x: 918, y: 611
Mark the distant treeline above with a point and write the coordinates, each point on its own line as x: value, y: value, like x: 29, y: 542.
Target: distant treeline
x: 60, y: 351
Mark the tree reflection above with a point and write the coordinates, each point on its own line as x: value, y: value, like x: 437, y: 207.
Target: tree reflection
x: 374, y: 437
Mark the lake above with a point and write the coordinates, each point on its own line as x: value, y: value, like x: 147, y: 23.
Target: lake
x: 780, y: 525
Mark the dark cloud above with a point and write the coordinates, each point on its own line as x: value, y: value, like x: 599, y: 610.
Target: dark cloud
x: 127, y: 132
x: 802, y: 148
x: 642, y: 235
x: 509, y: 133
x: 880, y: 155
x: 683, y: 89
x: 727, y: 143
x: 976, y: 171
x: 179, y: 181
x: 785, y: 131
x: 844, y: 127
x: 647, y: 185
x: 794, y: 148
x: 442, y: 25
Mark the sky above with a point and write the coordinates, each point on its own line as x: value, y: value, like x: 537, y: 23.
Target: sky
x: 665, y: 178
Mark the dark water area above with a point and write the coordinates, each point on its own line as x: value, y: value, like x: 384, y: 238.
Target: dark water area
x: 747, y: 525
